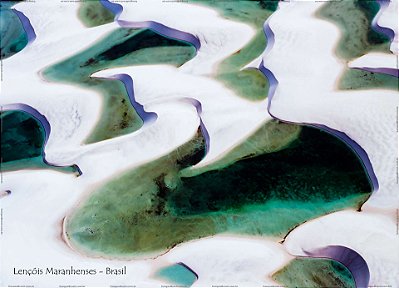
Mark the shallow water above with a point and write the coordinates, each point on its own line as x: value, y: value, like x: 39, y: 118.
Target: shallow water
x: 151, y: 209
x: 250, y: 84
x: 93, y: 13
x: 353, y: 79
x: 354, y: 18
x: 122, y: 47
x: 177, y: 274
x: 308, y: 272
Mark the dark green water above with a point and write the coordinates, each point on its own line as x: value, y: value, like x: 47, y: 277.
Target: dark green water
x: 13, y: 37
x: 177, y: 274
x: 22, y: 143
x: 93, y: 13
x: 314, y: 273
x: 250, y: 84
x: 153, y: 208
x: 305, y: 171
x: 122, y: 47
x: 22, y: 136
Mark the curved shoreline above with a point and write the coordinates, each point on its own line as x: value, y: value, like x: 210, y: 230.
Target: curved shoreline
x: 150, y: 117
x: 163, y: 30
x: 387, y: 31
x: 47, y: 130
x: 349, y: 258
x: 30, y: 32
x: 352, y: 260
x: 32, y: 111
x: 198, y: 106
x: 389, y: 19
x: 117, y: 9
x: 273, y: 82
x: 387, y: 71
x: 189, y: 269
x: 360, y: 152
x: 147, y: 117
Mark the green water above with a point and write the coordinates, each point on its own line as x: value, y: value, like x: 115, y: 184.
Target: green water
x: 101, y: 224
x: 13, y: 37
x: 22, y: 136
x: 122, y: 47
x: 177, y: 274
x: 353, y: 79
x: 305, y: 171
x: 93, y: 13
x: 151, y: 209
x: 354, y: 18
x: 314, y: 273
x: 251, y: 83
x: 22, y: 143
x: 272, y: 136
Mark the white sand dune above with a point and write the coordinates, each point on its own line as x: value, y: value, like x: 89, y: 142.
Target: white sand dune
x: 220, y: 260
x: 386, y: 22
x: 228, y: 118
x: 32, y: 217
x: 214, y: 32
x: 33, y: 212
x: 39, y: 199
x: 71, y: 111
x: 303, y: 61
